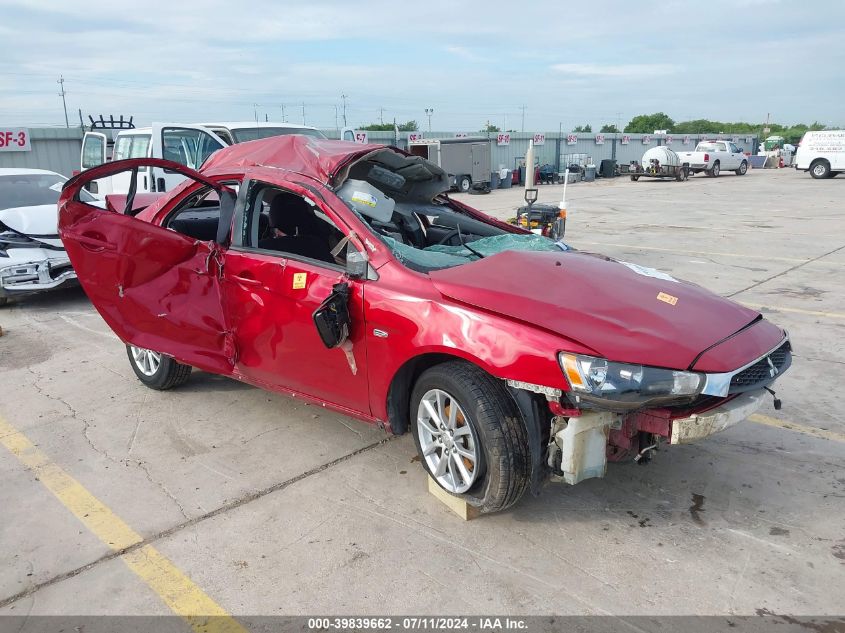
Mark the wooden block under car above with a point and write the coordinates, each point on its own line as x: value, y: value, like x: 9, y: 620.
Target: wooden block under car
x: 455, y: 504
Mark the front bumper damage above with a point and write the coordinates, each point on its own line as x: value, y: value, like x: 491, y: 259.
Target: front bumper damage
x: 27, y: 271
x: 700, y: 425
x: 580, y: 446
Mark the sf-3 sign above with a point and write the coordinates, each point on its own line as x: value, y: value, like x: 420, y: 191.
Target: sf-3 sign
x: 14, y: 140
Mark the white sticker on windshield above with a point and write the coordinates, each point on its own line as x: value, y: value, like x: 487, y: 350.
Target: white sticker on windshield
x: 57, y: 187
x: 648, y: 272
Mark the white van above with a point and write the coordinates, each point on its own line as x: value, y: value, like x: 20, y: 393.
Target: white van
x: 188, y: 145
x: 821, y: 153
x: 242, y: 131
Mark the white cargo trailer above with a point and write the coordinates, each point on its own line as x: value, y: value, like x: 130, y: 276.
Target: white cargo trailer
x: 466, y: 160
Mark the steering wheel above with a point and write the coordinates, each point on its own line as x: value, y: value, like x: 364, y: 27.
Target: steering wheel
x: 448, y: 236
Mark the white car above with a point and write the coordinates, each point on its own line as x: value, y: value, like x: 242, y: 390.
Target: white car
x: 714, y: 157
x: 32, y: 257
x: 822, y: 153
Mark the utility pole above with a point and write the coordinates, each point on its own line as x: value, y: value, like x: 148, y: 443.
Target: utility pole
x: 335, y: 117
x: 523, y: 116
x: 428, y: 113
x: 381, y: 115
x: 344, y: 98
x: 255, y: 111
x: 61, y: 82
x: 303, y: 113
x: 284, y: 120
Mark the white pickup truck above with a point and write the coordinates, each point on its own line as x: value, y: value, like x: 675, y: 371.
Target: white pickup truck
x: 714, y: 157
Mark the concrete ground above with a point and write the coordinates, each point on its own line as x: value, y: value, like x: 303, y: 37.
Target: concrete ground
x: 271, y: 506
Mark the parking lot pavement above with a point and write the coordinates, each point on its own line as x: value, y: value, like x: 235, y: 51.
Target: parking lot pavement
x: 262, y: 504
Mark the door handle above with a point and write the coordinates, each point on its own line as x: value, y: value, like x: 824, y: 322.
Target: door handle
x: 247, y: 281
x: 95, y: 242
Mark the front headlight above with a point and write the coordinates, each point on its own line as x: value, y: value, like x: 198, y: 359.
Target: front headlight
x: 621, y: 386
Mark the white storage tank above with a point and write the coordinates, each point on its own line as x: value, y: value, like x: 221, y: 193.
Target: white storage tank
x: 662, y: 155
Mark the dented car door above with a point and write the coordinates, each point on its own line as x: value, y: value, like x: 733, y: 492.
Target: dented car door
x: 156, y: 288
x: 270, y: 299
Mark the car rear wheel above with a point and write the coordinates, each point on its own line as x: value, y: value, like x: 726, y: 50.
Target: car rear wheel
x: 716, y: 170
x: 743, y: 168
x: 635, y: 178
x: 156, y: 370
x: 820, y: 169
x: 3, y: 301
x: 470, y: 435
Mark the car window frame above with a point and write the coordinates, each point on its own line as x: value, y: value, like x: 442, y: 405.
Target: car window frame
x: 240, y: 224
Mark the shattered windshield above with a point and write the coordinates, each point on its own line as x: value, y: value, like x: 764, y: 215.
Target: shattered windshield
x: 443, y: 256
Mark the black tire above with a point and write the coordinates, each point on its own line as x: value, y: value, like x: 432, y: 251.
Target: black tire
x: 3, y: 301
x: 635, y: 178
x: 820, y: 169
x: 464, y: 184
x: 743, y: 169
x: 504, y: 464
x: 168, y: 375
x: 716, y: 170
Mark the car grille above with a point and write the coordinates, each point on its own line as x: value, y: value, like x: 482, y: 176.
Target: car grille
x: 760, y: 373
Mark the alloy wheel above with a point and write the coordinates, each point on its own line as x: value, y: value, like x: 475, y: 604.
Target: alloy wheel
x: 146, y: 360
x: 448, y: 444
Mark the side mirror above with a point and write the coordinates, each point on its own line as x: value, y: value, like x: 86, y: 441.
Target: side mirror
x: 332, y: 317
x: 357, y: 264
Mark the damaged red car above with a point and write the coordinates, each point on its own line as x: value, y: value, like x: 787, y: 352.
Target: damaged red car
x: 343, y: 274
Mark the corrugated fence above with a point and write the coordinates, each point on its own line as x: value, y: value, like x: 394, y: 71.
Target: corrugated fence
x: 577, y: 148
x: 53, y: 148
x: 58, y: 149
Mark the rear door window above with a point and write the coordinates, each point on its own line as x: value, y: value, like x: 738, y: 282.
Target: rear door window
x: 187, y: 146
x: 93, y: 150
x: 131, y: 146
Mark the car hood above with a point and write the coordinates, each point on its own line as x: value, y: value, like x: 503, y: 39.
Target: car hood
x: 39, y: 220
x: 622, y: 311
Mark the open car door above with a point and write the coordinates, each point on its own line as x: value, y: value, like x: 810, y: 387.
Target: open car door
x: 156, y: 288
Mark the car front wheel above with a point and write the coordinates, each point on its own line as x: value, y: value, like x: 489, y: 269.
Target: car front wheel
x: 470, y: 435
x: 156, y: 370
x: 743, y: 167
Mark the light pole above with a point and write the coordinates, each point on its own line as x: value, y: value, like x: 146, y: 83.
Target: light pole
x: 428, y: 113
x: 344, y: 98
x: 62, y: 94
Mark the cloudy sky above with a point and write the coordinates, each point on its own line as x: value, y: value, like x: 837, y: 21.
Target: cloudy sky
x: 472, y: 62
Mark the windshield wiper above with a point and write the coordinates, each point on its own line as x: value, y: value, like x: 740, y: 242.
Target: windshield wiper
x: 466, y: 246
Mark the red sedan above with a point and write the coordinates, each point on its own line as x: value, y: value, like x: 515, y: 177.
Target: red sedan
x: 344, y: 274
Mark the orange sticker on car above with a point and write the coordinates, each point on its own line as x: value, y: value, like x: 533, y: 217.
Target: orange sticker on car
x: 662, y: 296
x: 299, y: 280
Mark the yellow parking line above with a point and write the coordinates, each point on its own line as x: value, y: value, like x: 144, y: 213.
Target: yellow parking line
x: 827, y: 315
x: 798, y: 428
x: 171, y: 584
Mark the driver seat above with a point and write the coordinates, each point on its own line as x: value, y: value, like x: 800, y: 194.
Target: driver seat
x: 294, y: 217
